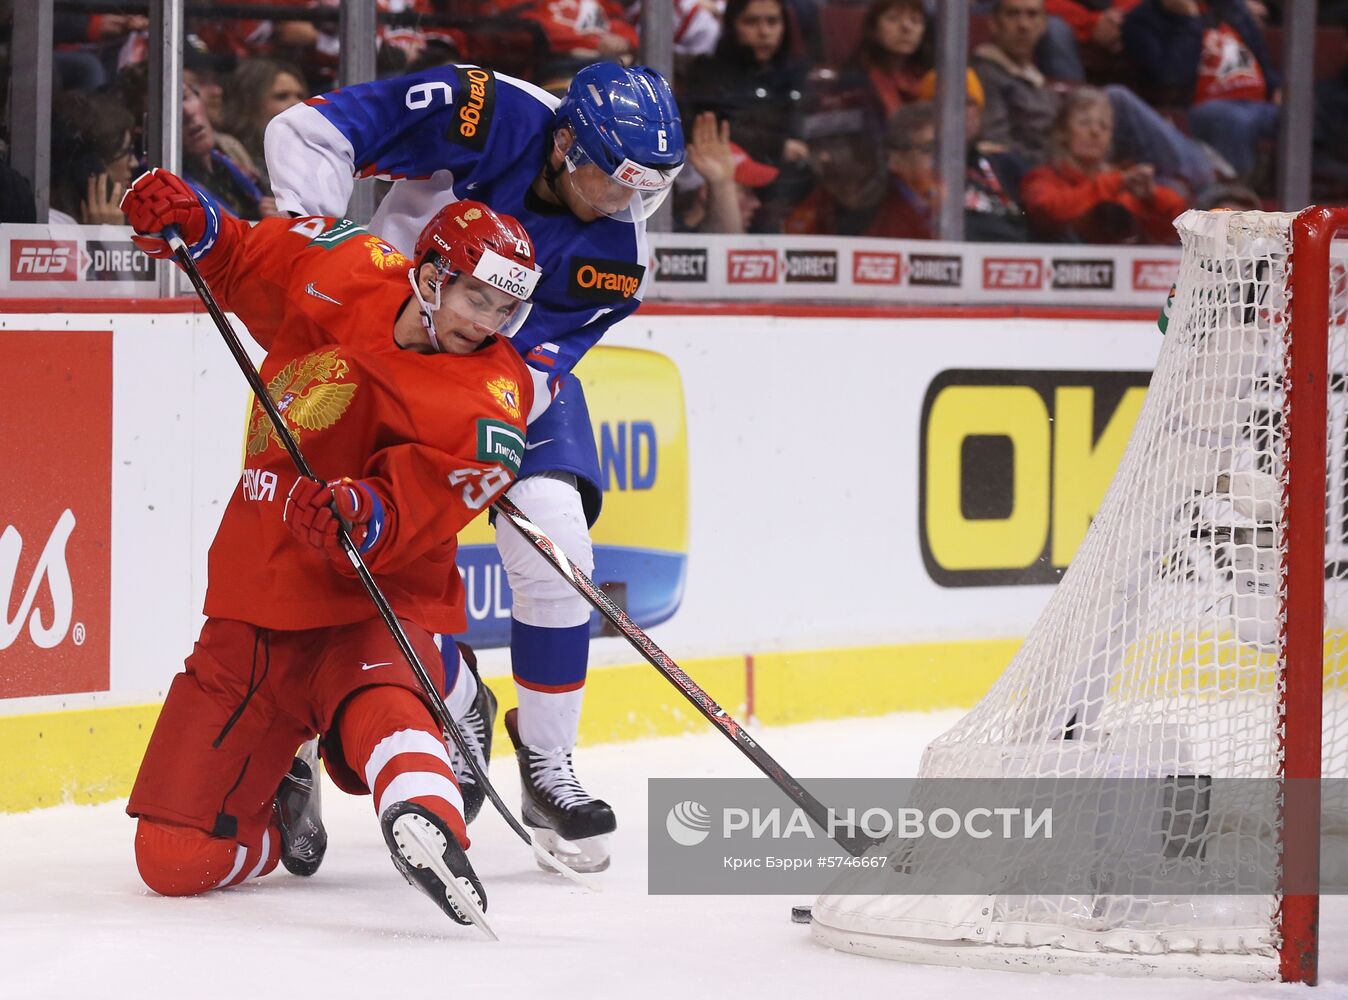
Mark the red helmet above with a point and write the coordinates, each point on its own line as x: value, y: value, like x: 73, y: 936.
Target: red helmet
x: 467, y: 237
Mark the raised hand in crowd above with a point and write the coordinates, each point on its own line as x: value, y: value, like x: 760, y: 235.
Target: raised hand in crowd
x: 709, y: 151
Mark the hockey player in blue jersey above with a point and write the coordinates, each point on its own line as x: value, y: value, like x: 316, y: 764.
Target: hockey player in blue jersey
x: 582, y: 176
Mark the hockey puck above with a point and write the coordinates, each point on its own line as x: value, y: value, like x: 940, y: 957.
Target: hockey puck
x: 800, y: 914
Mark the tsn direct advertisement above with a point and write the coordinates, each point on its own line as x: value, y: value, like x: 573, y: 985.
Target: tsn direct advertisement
x: 863, y: 271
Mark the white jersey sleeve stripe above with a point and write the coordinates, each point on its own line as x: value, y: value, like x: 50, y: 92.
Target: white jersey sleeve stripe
x: 310, y: 163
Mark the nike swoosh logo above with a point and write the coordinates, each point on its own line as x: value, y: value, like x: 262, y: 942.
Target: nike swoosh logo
x: 319, y: 295
x: 371, y: 666
x: 538, y: 444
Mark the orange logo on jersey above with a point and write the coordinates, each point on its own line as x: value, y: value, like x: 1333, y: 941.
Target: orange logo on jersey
x: 383, y: 255
x: 305, y: 393
x: 506, y: 392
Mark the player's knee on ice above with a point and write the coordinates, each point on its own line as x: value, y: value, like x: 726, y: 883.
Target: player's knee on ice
x: 180, y: 861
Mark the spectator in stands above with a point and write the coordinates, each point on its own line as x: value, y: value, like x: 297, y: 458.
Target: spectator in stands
x: 992, y: 210
x: 258, y: 91
x: 717, y: 191
x: 853, y: 193
x: 236, y: 188
x: 754, y: 82
x: 1212, y: 58
x: 894, y: 53
x: 87, y: 46
x: 914, y: 191
x: 92, y: 159
x: 1080, y: 196
x: 202, y: 70
x: 1022, y: 106
x: 697, y: 25
x: 1096, y: 27
x: 584, y: 30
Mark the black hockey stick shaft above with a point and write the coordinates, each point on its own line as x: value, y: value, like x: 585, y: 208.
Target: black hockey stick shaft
x: 433, y: 697
x: 676, y: 675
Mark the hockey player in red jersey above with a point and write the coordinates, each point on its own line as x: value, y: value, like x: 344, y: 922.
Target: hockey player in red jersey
x: 394, y: 377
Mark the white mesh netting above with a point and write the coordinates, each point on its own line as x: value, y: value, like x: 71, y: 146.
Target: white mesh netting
x: 1160, y: 651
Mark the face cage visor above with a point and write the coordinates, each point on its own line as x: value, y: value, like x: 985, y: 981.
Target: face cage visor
x: 631, y: 193
x: 493, y: 299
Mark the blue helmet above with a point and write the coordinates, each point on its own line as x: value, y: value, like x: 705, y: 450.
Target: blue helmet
x: 626, y: 122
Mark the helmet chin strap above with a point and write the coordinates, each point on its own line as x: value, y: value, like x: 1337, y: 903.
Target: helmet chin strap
x: 426, y: 310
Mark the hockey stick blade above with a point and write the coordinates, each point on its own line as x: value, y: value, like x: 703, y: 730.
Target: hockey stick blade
x: 390, y: 619
x: 557, y: 865
x: 672, y: 672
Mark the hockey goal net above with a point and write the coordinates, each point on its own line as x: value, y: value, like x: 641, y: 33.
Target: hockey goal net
x: 1202, y: 629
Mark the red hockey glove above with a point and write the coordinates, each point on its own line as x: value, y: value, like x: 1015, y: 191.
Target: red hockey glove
x: 312, y: 509
x: 157, y: 199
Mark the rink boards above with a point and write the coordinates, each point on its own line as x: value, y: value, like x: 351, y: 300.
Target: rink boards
x: 841, y: 511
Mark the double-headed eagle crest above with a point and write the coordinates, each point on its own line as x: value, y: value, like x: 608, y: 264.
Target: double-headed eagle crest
x: 306, y: 395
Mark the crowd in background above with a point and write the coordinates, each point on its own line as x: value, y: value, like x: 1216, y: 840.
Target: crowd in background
x: 1091, y: 121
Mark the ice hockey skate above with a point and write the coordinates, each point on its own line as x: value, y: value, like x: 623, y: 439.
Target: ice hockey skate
x: 299, y: 814
x: 476, y: 728
x: 568, y: 822
x: 431, y: 859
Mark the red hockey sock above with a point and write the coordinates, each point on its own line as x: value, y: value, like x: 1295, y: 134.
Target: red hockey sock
x: 388, y: 735
x: 180, y: 861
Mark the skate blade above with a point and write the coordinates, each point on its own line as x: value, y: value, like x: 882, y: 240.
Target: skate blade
x: 588, y: 855
x: 423, y: 846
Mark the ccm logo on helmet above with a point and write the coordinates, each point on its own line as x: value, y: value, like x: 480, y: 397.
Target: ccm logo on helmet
x: 605, y: 280
x: 477, y: 100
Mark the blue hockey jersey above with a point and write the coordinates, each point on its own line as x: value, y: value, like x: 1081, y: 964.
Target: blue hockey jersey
x: 455, y: 132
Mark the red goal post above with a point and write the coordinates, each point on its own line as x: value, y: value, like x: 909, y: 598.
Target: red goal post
x: 1313, y: 232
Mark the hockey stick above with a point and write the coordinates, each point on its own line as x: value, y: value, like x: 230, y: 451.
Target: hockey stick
x: 673, y: 673
x: 433, y: 697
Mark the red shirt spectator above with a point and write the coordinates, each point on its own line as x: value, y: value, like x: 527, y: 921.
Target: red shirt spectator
x: 1080, y: 195
x: 586, y: 29
x: 894, y: 54
x: 1098, y: 23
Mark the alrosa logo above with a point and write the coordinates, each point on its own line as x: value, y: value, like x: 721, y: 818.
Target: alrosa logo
x: 51, y: 567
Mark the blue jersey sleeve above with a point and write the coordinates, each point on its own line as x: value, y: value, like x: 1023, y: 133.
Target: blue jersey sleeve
x: 412, y: 126
x: 454, y: 118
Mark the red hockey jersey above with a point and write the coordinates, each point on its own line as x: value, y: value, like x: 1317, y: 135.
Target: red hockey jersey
x: 438, y: 435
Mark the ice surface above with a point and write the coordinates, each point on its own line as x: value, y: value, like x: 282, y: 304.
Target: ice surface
x: 76, y: 922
